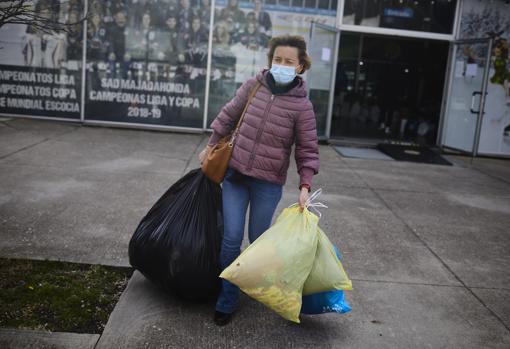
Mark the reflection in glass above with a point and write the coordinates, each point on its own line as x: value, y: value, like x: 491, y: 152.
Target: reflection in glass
x: 430, y: 16
x: 239, y: 50
x: 242, y: 32
x: 321, y: 50
x: 389, y: 88
x: 464, y: 99
x: 41, y: 71
x: 147, y: 62
x: 323, y: 4
x: 310, y: 3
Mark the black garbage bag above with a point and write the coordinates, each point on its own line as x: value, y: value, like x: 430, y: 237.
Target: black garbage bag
x: 177, y: 244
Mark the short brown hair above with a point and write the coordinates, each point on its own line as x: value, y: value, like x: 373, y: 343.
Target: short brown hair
x: 296, y: 41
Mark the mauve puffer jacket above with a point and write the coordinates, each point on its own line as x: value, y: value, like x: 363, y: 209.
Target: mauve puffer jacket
x: 272, y: 124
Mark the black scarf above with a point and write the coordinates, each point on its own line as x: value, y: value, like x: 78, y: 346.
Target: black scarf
x: 280, y: 89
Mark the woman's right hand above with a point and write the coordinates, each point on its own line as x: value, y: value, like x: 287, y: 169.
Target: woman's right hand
x: 203, y: 153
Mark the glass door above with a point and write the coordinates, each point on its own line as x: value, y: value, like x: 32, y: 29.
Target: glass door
x: 467, y: 92
x: 389, y: 89
x: 323, y: 50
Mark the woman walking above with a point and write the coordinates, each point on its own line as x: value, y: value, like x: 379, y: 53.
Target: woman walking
x: 279, y: 115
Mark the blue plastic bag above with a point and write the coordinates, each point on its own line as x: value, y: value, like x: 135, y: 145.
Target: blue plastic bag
x: 326, y: 302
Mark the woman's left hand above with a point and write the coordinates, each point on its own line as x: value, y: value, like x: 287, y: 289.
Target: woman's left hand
x: 303, y: 196
x: 203, y: 154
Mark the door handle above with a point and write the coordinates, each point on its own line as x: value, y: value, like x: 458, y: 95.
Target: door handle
x: 473, y: 102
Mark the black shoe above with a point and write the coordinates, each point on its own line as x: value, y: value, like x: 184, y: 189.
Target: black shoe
x: 221, y: 319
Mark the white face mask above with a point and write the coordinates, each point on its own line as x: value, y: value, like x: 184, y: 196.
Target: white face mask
x: 283, y: 74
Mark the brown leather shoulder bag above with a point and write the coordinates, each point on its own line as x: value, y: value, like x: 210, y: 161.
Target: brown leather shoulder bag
x: 216, y: 162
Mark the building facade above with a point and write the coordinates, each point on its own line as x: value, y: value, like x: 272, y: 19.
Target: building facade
x: 433, y: 72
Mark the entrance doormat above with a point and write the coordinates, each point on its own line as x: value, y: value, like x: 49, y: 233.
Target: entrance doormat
x: 362, y: 153
x: 413, y: 153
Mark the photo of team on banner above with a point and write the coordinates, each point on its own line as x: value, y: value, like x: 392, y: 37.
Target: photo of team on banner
x: 170, y: 32
x: 168, y: 41
x: 146, y: 60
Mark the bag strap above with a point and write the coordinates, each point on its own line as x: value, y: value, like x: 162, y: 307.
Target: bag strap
x: 250, y: 98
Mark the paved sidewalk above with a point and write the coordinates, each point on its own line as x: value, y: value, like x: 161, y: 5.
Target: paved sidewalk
x: 427, y: 247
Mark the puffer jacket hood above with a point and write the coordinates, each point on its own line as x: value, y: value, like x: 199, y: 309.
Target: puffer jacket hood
x: 271, y: 126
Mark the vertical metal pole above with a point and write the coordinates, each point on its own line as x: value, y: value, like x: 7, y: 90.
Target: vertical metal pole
x: 456, y: 35
x: 457, y: 19
x: 84, y: 62
x: 446, y: 94
x: 329, y: 115
x: 312, y: 29
x: 358, y: 66
x: 339, y: 13
x: 208, y: 71
x: 485, y: 82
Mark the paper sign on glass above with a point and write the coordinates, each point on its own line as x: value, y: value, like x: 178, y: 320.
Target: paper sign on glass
x: 326, y: 54
x: 471, y: 69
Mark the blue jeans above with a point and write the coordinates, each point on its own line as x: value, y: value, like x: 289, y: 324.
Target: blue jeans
x: 238, y: 192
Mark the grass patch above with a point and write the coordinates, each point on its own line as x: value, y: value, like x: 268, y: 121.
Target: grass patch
x: 58, y: 296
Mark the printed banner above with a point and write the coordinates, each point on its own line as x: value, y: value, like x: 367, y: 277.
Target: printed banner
x: 147, y: 62
x: 40, y: 73
x: 43, y: 92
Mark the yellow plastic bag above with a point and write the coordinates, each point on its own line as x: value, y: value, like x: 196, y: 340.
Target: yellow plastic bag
x: 275, y: 267
x: 291, y: 259
x: 327, y: 273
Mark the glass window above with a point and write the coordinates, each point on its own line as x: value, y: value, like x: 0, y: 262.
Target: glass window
x: 147, y: 62
x: 389, y: 87
x: 242, y: 32
x: 310, y: 3
x: 434, y: 16
x: 40, y: 73
x: 334, y: 4
x: 479, y: 18
x: 324, y: 4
